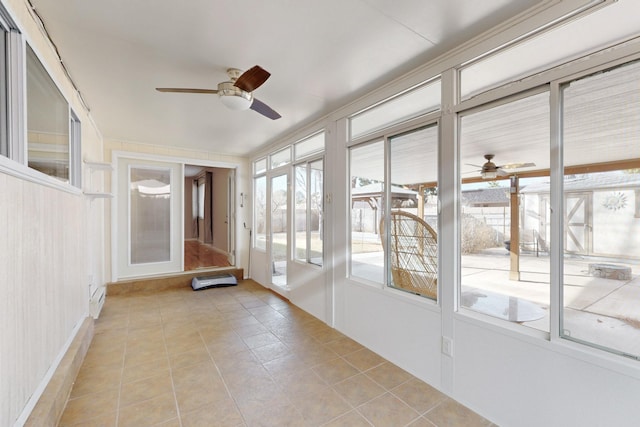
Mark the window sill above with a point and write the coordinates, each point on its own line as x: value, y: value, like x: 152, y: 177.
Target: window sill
x: 25, y: 173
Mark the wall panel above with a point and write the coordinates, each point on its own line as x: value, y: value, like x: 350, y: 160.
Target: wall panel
x: 44, y: 285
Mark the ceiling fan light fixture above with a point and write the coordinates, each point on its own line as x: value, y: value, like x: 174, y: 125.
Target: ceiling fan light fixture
x: 235, y: 102
x: 233, y: 98
x: 489, y: 174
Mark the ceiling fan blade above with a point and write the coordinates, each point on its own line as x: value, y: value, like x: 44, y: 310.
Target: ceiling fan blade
x: 501, y: 172
x: 252, y: 79
x: 517, y: 165
x: 475, y: 166
x: 186, y: 90
x: 262, y: 108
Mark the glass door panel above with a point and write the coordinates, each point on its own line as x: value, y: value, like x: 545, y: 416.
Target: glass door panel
x: 150, y: 215
x: 149, y: 224
x: 279, y: 230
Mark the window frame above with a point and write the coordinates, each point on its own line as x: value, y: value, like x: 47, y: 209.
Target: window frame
x: 602, y: 64
x: 308, y: 212
x: 14, y: 159
x: 385, y: 136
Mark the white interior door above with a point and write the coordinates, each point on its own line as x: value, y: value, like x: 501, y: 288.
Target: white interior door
x: 149, y: 218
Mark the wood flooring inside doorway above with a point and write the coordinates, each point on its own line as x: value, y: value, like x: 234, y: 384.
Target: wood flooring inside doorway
x: 200, y: 255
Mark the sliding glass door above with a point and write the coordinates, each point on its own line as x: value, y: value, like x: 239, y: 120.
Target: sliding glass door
x: 149, y: 239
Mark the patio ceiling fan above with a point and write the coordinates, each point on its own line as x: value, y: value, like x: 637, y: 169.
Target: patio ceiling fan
x: 490, y: 170
x: 237, y: 93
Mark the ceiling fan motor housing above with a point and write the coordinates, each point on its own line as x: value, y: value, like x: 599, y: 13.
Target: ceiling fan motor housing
x: 489, y: 165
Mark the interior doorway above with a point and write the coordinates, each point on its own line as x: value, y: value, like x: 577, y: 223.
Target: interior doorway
x: 208, y: 206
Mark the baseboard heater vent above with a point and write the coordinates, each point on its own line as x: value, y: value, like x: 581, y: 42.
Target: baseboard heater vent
x: 217, y: 281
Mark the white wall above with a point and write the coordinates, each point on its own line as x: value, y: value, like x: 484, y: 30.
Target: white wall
x: 515, y: 381
x: 46, y: 262
x: 44, y: 287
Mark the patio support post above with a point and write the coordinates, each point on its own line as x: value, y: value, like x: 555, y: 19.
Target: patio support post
x: 514, y: 273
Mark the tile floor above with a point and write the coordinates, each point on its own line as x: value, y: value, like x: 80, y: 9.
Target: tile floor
x: 241, y: 356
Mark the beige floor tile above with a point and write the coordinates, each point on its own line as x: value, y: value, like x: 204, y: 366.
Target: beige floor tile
x: 271, y: 352
x: 189, y: 358
x: 108, y: 420
x: 193, y: 375
x: 388, y: 411
x: 97, y: 378
x: 358, y: 389
x: 284, y: 366
x: 419, y: 395
x: 389, y: 375
x: 301, y: 382
x: 149, y: 412
x: 145, y: 389
x: 344, y: 346
x: 240, y: 357
x: 90, y: 406
x: 100, y: 357
x: 249, y: 330
x: 449, y: 413
x: 335, y: 370
x: 246, y: 386
x: 205, y: 394
x: 314, y: 354
x: 281, y: 415
x: 221, y: 413
x: 423, y: 422
x: 190, y: 340
x: 261, y: 340
x: 364, y: 359
x: 174, y: 422
x: 350, y: 419
x: 148, y: 369
x: 320, y: 407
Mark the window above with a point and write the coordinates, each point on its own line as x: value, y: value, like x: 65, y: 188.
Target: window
x: 260, y: 213
x: 312, y: 145
x: 4, y: 101
x: 394, y: 223
x: 504, y: 212
x: 406, y: 106
x: 48, y: 146
x: 526, y: 58
x: 280, y: 158
x: 75, y: 138
x: 601, y: 236
x: 413, y: 222
x: 260, y: 166
x: 366, y: 164
x: 308, y: 213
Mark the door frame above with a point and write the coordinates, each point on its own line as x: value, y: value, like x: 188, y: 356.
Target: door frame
x: 286, y: 172
x: 117, y: 156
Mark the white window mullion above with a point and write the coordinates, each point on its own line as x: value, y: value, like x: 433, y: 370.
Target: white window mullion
x: 16, y: 95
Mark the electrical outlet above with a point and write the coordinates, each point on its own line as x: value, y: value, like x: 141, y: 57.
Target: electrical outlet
x: 447, y: 346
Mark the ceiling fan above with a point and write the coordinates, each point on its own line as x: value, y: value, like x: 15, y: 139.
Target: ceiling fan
x: 490, y: 170
x: 237, y: 92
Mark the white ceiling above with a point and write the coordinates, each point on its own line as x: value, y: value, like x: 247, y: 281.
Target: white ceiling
x: 322, y: 55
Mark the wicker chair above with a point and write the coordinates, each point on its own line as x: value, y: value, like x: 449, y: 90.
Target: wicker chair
x: 413, y: 253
